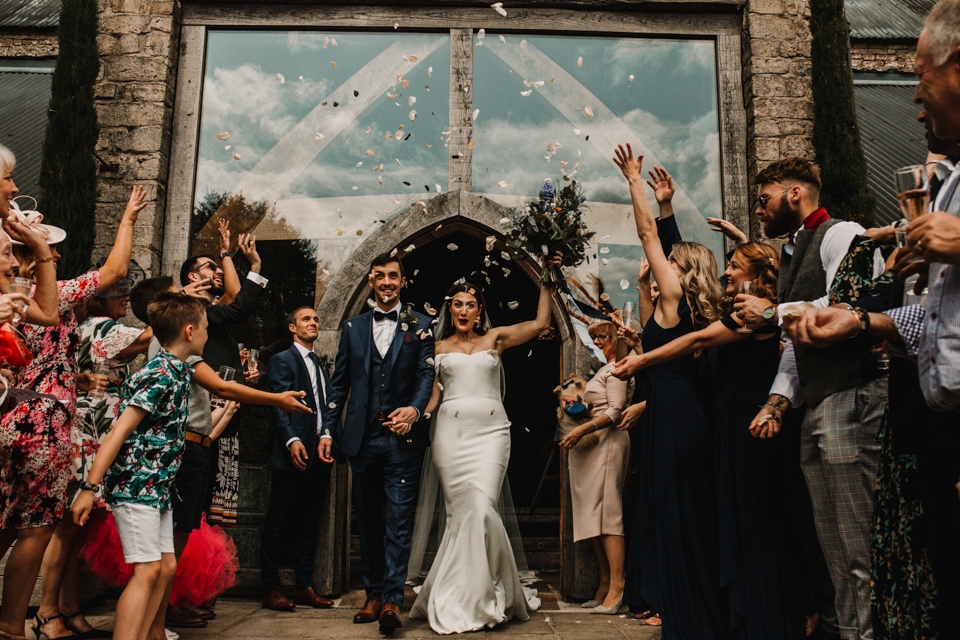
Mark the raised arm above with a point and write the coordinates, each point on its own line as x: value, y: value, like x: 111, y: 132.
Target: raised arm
x: 44, y: 307
x: 662, y: 184
x: 516, y: 334
x: 231, y: 281
x: 645, y: 300
x: 670, y: 288
x: 117, y: 262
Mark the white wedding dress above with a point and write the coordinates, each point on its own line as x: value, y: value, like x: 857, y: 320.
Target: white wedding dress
x: 473, y: 582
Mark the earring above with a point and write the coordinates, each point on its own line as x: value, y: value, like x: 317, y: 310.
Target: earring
x: 476, y: 322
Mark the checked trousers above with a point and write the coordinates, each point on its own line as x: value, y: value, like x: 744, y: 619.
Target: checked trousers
x: 839, y: 455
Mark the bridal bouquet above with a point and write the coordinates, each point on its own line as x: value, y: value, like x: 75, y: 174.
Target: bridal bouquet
x: 553, y: 224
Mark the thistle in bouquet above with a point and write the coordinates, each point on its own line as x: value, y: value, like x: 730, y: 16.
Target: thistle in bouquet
x: 552, y: 225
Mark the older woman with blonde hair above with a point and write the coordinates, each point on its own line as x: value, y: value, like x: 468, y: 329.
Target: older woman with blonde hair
x: 598, y: 471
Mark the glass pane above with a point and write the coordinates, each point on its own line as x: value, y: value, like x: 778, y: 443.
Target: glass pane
x: 533, y: 94
x: 322, y: 134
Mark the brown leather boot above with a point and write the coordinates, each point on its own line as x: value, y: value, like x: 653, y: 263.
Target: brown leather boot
x: 369, y: 613
x: 278, y: 602
x: 311, y: 598
x: 389, y: 618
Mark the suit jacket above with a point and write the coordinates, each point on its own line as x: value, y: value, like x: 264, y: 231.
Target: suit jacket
x: 411, y: 380
x: 288, y: 372
x: 221, y: 347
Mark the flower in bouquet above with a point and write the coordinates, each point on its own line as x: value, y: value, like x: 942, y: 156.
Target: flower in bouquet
x: 552, y: 225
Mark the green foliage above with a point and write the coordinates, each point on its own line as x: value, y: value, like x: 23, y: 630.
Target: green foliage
x: 68, y: 174
x: 836, y: 137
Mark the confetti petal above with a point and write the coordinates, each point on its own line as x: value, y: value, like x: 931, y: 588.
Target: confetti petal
x: 604, y: 249
x: 624, y: 283
x: 430, y: 361
x: 332, y: 405
x: 505, y: 221
x: 237, y: 156
x: 409, y: 248
x: 333, y: 42
x: 490, y: 241
x: 526, y: 93
x: 506, y: 272
x: 503, y: 184
x: 604, y: 261
x: 360, y: 164
x: 413, y: 115
x: 429, y: 72
x: 505, y: 255
x: 412, y: 58
x: 224, y: 135
x: 320, y: 136
x: 476, y: 112
x: 523, y: 44
x: 576, y: 132
x: 503, y: 40
x: 369, y: 152
x: 227, y: 148
x: 281, y: 78
x: 631, y: 77
x: 412, y: 100
x: 429, y: 309
x: 588, y: 111
x: 333, y: 64
x: 580, y: 62
x: 452, y: 247
x: 481, y: 34
x: 326, y: 42
x: 513, y: 305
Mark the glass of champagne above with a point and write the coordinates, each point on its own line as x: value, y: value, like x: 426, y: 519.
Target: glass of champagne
x: 20, y: 285
x: 253, y: 356
x: 226, y: 374
x: 629, y: 310
x: 243, y: 352
x: 912, y: 193
x: 745, y: 288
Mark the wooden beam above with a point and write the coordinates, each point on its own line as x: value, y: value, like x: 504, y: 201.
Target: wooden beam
x: 183, y: 149
x: 459, y: 149
x: 733, y: 134
x: 443, y: 18
x: 519, y: 5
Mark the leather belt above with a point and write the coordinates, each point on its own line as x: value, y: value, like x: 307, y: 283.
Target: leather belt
x: 202, y: 440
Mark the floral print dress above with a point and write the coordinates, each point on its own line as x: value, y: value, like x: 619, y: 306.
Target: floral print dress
x: 35, y: 435
x: 101, y: 338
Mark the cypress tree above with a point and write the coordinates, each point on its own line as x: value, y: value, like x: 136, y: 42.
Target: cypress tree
x: 68, y: 173
x: 836, y: 136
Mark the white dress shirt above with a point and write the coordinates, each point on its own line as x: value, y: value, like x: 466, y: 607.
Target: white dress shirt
x: 385, y: 330
x: 316, y: 386
x: 833, y: 249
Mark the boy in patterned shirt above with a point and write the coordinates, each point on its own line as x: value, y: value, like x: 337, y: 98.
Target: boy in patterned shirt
x: 138, y: 460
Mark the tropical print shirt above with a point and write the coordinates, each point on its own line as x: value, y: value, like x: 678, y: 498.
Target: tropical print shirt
x: 149, y: 459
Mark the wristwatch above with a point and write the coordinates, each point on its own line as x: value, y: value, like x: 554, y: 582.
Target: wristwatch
x: 86, y: 485
x: 226, y: 254
x: 769, y: 314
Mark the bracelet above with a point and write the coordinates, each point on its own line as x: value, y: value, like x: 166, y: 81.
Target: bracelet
x: 779, y: 405
x: 864, y: 317
x: 42, y: 260
x: 86, y: 485
x: 770, y: 404
x: 226, y: 254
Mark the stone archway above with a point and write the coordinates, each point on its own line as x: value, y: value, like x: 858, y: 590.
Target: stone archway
x: 345, y: 297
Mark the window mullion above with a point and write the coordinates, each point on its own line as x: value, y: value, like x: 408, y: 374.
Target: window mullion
x: 459, y: 149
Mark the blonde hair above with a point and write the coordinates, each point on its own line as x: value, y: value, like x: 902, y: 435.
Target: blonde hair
x: 700, y: 282
x: 27, y: 260
x: 7, y: 160
x: 763, y: 262
x: 596, y: 325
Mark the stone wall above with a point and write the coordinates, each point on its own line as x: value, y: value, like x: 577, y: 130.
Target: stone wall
x: 776, y: 83
x: 138, y: 42
x: 39, y: 44
x: 883, y: 55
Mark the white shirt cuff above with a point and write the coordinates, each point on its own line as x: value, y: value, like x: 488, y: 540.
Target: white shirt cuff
x: 787, y: 386
x: 256, y: 278
x: 326, y: 437
x: 291, y: 441
x: 418, y: 414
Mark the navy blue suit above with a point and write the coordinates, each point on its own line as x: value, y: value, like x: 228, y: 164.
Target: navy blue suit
x: 386, y: 467
x: 291, y: 489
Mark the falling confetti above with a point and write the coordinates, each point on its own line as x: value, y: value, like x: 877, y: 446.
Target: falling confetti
x: 579, y: 62
x: 339, y: 232
x: 429, y: 361
x: 326, y: 42
x: 533, y: 83
x: 631, y: 77
x: 429, y: 72
x: 227, y: 148
x: 588, y: 111
x: 576, y: 132
x: 604, y: 249
x: 505, y: 255
x: 320, y: 136
x: 526, y: 93
x: 332, y: 405
x: 379, y: 182
x: 452, y: 247
x: 281, y: 78
x: 439, y: 189
x: 399, y: 134
x: 430, y: 310
x: 412, y: 100
x: 224, y: 135
x: 624, y: 283
x: 369, y: 152
x: 503, y: 184
x: 396, y: 25
x: 237, y: 156
x: 504, y: 221
x: 333, y: 64
x: 604, y: 261
x: 476, y: 112
x: 498, y: 7
x: 523, y: 44
x: 481, y: 34
x: 333, y: 42
x: 360, y: 164
x: 359, y: 232
x: 413, y: 115
x: 513, y: 305
x: 398, y: 163
x: 490, y: 242
x: 355, y: 188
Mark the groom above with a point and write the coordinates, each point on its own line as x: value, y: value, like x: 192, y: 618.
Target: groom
x: 384, y: 366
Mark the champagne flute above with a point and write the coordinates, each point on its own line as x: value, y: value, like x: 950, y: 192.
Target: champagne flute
x: 243, y: 356
x: 745, y: 288
x: 912, y: 192
x: 629, y: 309
x: 253, y: 356
x: 20, y: 285
x: 226, y: 374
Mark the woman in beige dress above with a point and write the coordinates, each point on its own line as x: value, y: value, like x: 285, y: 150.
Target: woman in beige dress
x: 598, y: 472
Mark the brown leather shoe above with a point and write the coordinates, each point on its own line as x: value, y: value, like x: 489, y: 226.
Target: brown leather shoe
x: 278, y: 602
x: 389, y: 618
x: 369, y: 613
x: 311, y: 598
x: 178, y: 618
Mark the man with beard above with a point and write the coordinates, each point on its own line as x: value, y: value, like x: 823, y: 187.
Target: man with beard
x: 385, y: 365
x: 843, y: 387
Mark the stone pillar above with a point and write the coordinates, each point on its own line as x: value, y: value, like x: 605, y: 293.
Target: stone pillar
x: 138, y: 51
x: 776, y: 83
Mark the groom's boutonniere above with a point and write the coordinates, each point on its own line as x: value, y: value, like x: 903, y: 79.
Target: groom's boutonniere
x: 407, y: 318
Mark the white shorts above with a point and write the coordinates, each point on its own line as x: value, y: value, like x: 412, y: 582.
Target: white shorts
x: 145, y: 532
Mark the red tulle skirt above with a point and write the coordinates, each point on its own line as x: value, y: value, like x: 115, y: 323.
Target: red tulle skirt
x: 207, y: 568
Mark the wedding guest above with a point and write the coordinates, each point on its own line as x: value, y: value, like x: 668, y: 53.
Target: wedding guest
x: 53, y: 371
x: 106, y: 342
x: 844, y: 387
x: 598, y: 471
x: 678, y: 533
x: 757, y: 551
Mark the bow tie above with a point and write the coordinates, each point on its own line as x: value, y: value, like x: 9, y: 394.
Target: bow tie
x: 379, y: 316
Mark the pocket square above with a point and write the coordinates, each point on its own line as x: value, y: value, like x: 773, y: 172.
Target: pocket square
x: 408, y: 338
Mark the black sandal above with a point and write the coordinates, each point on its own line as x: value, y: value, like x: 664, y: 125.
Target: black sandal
x: 93, y: 634
x: 41, y: 622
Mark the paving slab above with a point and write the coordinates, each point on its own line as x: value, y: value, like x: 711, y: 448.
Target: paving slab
x: 245, y: 619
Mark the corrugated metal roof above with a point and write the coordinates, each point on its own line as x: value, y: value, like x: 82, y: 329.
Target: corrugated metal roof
x: 891, y: 138
x: 887, y: 19
x: 23, y: 123
x: 29, y: 13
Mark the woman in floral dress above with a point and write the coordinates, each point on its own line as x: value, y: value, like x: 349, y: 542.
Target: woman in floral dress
x: 53, y: 371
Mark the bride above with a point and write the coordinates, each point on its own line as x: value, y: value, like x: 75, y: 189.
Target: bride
x: 473, y: 582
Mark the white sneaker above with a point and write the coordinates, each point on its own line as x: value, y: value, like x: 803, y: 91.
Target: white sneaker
x: 171, y: 635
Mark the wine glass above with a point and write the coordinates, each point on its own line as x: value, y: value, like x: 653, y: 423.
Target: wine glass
x: 226, y: 374
x: 253, y: 356
x: 745, y: 288
x: 20, y: 285
x: 912, y: 192
x: 242, y: 349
